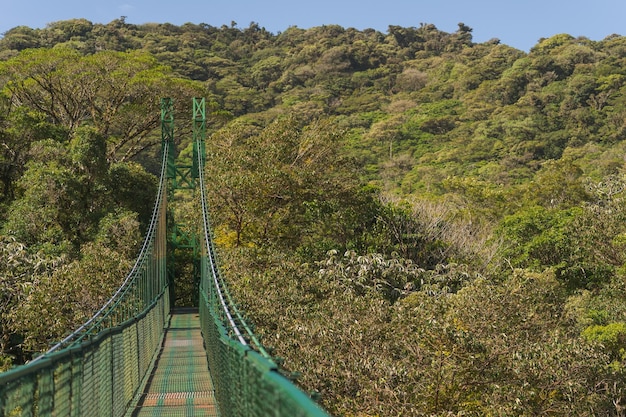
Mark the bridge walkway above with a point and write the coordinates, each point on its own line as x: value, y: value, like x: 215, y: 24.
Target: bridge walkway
x: 180, y: 383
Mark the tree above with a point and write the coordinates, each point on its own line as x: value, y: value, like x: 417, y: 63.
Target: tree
x: 73, y: 292
x: 19, y: 38
x: 558, y: 184
x: 285, y: 184
x: 67, y: 189
x: 18, y: 132
x: 118, y: 93
x: 19, y: 270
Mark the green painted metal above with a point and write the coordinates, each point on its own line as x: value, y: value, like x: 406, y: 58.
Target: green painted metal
x: 183, y: 178
x: 181, y: 237
x: 199, y: 134
x: 167, y: 136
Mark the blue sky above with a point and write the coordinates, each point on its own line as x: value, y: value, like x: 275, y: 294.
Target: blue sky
x: 519, y: 23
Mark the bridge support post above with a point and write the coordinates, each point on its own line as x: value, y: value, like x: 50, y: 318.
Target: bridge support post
x: 182, y: 242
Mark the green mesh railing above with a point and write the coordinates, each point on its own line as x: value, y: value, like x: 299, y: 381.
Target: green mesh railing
x: 98, y: 369
x: 247, y: 381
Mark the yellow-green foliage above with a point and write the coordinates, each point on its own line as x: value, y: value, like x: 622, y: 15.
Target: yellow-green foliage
x: 611, y: 336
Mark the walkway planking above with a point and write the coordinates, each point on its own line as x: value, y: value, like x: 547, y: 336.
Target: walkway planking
x: 180, y: 383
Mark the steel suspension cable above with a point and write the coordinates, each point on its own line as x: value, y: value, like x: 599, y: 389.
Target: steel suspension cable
x: 97, y: 318
x: 232, y: 313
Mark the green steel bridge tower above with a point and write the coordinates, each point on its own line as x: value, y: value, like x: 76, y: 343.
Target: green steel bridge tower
x: 140, y: 356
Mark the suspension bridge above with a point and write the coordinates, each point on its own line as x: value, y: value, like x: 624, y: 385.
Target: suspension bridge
x: 139, y: 355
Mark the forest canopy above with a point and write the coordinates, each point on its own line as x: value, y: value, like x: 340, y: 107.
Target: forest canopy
x: 417, y: 223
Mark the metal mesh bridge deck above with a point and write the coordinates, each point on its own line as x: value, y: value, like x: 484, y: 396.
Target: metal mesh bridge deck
x: 180, y: 383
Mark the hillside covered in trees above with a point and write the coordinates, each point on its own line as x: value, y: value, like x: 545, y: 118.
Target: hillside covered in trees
x: 416, y: 223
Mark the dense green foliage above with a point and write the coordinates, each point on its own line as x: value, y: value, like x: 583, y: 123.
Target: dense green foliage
x: 417, y: 223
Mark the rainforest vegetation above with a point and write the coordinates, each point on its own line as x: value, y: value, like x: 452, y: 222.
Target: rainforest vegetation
x: 416, y: 223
